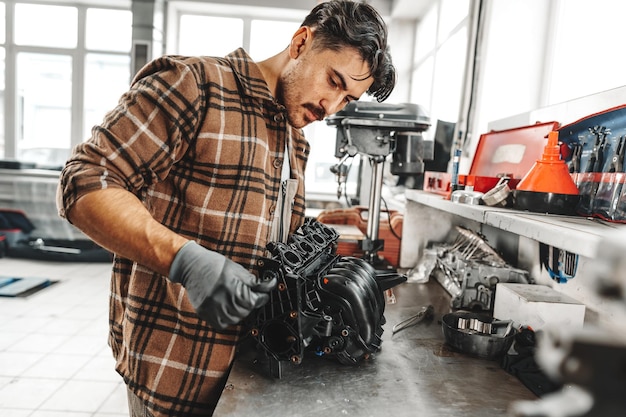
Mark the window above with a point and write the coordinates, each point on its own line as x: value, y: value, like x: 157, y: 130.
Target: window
x: 66, y: 67
x: 106, y: 79
x: 44, y: 93
x: 448, y: 79
x: 209, y: 35
x: 39, y: 25
x: 107, y: 75
x: 269, y: 37
x: 440, y: 51
x: 585, y: 59
x: 99, y: 35
x: 422, y: 83
x: 426, y: 35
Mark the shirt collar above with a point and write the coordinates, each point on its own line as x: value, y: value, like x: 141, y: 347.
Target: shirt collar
x: 249, y: 75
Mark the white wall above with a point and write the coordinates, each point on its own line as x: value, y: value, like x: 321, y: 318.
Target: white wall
x: 401, y: 36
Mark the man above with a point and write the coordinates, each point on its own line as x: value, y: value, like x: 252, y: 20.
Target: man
x: 182, y: 181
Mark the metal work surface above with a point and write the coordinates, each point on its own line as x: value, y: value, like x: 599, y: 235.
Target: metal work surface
x: 415, y: 374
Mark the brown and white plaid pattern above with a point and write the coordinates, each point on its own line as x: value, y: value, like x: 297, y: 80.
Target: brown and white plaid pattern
x: 200, y: 141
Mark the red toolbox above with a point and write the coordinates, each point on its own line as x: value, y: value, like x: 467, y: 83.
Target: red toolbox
x: 510, y: 153
x: 390, y: 230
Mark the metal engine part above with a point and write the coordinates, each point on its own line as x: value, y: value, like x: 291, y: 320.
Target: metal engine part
x: 479, y: 284
x: 469, y: 270
x: 330, y: 304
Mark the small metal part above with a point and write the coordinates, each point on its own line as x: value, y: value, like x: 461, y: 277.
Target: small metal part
x: 426, y: 312
x: 469, y: 270
x: 390, y: 297
x: 476, y: 325
x: 462, y: 323
x: 341, y: 174
x: 480, y: 326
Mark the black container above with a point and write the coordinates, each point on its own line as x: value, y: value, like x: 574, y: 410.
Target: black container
x: 550, y: 203
x: 487, y: 346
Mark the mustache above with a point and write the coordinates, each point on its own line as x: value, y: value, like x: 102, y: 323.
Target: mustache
x: 317, y: 111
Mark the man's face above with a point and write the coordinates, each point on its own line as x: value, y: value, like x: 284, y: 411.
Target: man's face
x: 320, y: 82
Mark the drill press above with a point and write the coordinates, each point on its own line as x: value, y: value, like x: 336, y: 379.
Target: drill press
x: 374, y: 130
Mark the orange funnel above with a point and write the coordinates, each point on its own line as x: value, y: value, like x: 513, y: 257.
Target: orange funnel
x: 550, y: 174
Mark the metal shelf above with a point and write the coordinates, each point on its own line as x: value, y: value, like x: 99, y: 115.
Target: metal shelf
x: 575, y: 234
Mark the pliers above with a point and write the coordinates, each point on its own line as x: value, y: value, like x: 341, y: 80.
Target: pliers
x: 617, y: 160
x: 574, y: 164
x: 596, y: 157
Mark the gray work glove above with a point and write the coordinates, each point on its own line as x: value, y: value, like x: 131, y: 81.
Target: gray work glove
x: 220, y: 290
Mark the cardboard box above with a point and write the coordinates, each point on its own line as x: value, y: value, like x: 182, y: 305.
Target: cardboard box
x: 537, y: 306
x: 389, y: 230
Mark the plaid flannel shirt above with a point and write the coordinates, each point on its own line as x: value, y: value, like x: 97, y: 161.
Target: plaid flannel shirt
x: 201, y: 142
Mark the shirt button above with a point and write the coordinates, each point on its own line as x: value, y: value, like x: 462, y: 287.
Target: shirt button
x: 279, y: 117
x: 272, y: 209
x: 278, y: 163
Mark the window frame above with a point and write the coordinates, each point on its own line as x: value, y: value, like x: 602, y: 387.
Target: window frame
x: 247, y: 13
x: 9, y: 149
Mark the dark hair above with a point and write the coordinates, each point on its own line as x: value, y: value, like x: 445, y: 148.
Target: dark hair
x: 341, y: 23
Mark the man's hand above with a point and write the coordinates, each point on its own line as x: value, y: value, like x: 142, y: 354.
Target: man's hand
x: 220, y: 290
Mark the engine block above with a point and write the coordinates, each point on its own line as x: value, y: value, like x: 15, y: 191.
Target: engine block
x: 330, y: 304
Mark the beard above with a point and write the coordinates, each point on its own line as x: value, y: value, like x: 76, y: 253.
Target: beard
x: 287, y: 94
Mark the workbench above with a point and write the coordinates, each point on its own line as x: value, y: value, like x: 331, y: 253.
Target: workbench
x: 518, y: 236
x: 415, y: 374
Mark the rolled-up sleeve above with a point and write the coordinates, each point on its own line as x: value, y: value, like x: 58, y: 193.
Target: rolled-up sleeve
x: 139, y: 140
